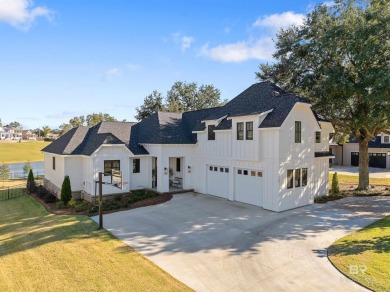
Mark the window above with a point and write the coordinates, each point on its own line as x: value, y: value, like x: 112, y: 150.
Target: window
x: 318, y: 137
x: 211, y: 133
x: 297, y: 178
x: 260, y: 174
x: 253, y: 173
x: 290, y: 178
x: 54, y: 163
x: 226, y: 170
x: 239, y: 171
x: 221, y: 169
x: 249, y: 131
x: 178, y: 165
x: 136, y: 166
x: 245, y: 172
x: 304, y: 177
x: 110, y: 165
x: 240, y: 131
x: 298, y: 132
x: 211, y: 168
x: 386, y: 139
x: 215, y: 168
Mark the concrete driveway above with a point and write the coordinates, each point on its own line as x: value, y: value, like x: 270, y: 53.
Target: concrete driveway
x: 212, y: 244
x: 354, y: 170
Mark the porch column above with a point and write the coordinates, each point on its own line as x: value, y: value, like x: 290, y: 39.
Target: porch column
x: 163, y: 174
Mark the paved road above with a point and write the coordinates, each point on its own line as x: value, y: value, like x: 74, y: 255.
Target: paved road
x: 354, y: 170
x: 212, y: 244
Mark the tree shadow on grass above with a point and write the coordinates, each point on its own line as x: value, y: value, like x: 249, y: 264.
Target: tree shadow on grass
x: 355, y: 247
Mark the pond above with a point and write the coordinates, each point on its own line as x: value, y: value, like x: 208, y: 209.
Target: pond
x: 17, y: 169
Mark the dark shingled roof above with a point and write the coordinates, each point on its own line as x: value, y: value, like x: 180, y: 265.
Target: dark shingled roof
x: 259, y: 98
x: 372, y: 144
x: 177, y: 128
x: 85, y: 140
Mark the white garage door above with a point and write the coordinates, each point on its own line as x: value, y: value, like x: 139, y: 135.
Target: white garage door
x: 218, y: 181
x: 248, y: 186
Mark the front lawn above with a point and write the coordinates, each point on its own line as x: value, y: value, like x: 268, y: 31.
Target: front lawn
x: 345, y: 179
x: 364, y: 256
x: 22, y: 152
x: 45, y: 252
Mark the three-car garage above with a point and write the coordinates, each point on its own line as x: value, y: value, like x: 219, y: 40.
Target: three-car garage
x: 375, y: 159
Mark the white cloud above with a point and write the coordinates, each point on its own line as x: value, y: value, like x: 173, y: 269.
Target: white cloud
x: 111, y: 73
x: 259, y: 44
x: 277, y: 21
x: 184, y: 41
x: 240, y: 51
x: 22, y: 13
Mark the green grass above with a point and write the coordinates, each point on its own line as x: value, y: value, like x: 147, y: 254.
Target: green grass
x: 370, y: 248
x: 354, y: 180
x: 21, y: 152
x: 45, y: 252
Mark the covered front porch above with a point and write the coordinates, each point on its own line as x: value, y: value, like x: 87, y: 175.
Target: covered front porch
x: 168, y: 174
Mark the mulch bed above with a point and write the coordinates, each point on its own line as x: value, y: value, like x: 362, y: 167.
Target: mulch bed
x: 353, y: 193
x: 52, y: 207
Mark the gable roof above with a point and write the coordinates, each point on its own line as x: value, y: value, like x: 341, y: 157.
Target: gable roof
x: 178, y: 128
x: 85, y: 140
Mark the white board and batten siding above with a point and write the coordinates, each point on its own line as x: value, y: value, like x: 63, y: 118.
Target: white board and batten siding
x: 55, y: 176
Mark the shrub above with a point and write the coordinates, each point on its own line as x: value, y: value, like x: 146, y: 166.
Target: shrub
x: 30, y: 182
x: 335, y: 184
x: 66, y: 190
x: 72, y: 203
x: 60, y: 205
x: 45, y: 194
x: 81, y: 205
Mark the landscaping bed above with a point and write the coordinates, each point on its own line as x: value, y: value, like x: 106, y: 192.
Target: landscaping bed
x: 115, y: 203
x: 352, y: 193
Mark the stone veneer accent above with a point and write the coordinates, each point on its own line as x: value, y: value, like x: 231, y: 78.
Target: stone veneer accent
x: 77, y: 195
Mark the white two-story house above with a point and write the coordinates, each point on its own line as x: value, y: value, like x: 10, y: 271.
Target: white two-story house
x: 265, y: 147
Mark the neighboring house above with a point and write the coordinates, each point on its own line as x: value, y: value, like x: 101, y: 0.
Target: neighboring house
x: 7, y: 133
x: 52, y: 136
x: 378, y: 151
x: 265, y: 147
x: 28, y: 135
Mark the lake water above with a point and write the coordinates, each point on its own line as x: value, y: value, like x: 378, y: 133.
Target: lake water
x: 17, y: 169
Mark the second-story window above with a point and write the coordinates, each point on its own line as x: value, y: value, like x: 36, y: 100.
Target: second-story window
x: 249, y: 131
x: 240, y: 131
x: 211, y: 133
x: 386, y: 139
x: 318, y: 137
x: 298, y: 132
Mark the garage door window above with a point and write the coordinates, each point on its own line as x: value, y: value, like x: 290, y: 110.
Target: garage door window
x: 239, y: 171
x: 226, y: 169
x: 211, y: 168
x: 290, y: 178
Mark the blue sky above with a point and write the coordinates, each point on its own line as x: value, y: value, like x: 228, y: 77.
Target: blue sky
x: 59, y: 59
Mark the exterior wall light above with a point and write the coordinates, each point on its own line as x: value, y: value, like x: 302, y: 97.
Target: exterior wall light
x: 165, y: 170
x: 189, y: 168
